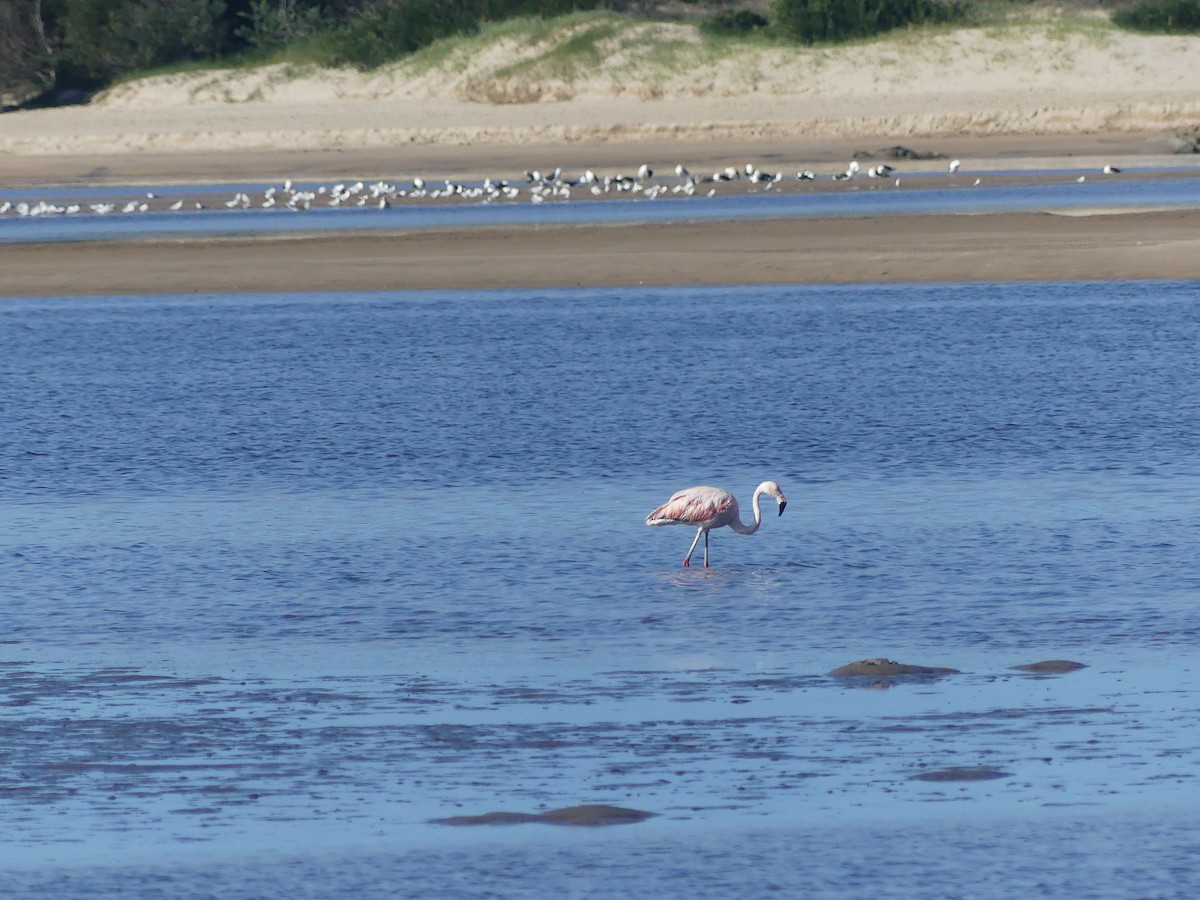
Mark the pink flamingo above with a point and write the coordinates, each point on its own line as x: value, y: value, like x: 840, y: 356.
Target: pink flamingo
x: 706, y: 508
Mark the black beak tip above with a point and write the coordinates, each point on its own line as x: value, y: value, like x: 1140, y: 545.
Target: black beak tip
x: 782, y: 506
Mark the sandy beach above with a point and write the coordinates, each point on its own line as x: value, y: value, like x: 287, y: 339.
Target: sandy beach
x: 988, y: 97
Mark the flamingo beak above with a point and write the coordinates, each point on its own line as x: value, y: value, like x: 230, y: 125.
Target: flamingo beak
x: 782, y: 506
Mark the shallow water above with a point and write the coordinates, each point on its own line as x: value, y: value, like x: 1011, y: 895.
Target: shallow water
x: 921, y: 195
x: 288, y: 576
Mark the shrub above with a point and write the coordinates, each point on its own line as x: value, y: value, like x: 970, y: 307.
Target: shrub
x: 106, y: 38
x: 384, y: 30
x: 810, y: 21
x: 497, y: 10
x: 733, y: 22
x: 375, y: 32
x: 269, y: 26
x: 1160, y: 16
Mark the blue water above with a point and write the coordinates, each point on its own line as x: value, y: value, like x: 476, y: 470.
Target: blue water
x: 289, y: 575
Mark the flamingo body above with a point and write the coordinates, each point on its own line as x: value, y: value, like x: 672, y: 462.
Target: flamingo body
x: 706, y: 508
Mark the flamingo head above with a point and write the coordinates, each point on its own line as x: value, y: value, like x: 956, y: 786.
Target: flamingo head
x: 772, y: 489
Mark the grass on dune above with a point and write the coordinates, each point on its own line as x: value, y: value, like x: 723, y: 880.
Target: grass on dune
x: 577, y: 45
x: 560, y: 48
x: 574, y: 46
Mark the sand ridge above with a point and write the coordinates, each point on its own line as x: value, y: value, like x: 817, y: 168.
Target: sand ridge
x: 994, y: 247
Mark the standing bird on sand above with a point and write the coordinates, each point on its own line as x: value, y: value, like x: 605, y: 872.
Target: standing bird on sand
x: 706, y: 508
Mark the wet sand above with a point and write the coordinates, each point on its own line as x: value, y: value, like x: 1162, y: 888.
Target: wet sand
x: 999, y: 247
x: 505, y: 160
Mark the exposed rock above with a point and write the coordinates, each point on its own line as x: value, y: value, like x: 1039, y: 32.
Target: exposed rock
x: 595, y: 814
x: 896, y: 152
x: 899, y: 152
x: 1185, y: 143
x: 881, y: 666
x: 1051, y: 665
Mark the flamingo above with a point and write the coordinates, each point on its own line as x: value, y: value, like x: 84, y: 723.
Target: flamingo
x: 707, y: 508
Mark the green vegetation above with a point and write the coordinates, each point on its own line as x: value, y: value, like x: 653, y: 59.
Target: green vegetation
x: 271, y: 26
x: 49, y: 45
x: 385, y: 30
x: 1161, y: 16
x: 813, y: 21
x: 734, y: 23
x: 105, y: 38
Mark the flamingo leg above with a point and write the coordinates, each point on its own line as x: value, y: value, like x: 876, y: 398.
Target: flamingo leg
x: 687, y: 560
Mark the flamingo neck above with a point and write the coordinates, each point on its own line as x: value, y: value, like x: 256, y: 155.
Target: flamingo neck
x: 740, y: 527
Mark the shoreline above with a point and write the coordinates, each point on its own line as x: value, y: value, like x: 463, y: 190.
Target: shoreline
x: 1000, y: 247
x: 986, y: 98
x: 984, y: 153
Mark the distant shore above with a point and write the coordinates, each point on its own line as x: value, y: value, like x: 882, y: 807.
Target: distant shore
x: 987, y: 98
x: 1055, y: 87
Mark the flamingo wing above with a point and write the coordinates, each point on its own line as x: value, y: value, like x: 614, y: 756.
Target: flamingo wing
x: 696, y: 506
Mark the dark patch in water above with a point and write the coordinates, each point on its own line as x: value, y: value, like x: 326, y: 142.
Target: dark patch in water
x: 962, y: 773
x: 590, y: 815
x: 491, y: 818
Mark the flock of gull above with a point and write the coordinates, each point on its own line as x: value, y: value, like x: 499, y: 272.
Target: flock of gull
x: 535, y: 187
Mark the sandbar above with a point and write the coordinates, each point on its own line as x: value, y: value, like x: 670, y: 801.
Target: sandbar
x: 941, y: 248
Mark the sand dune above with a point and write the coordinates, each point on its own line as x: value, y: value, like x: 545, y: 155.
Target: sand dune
x: 655, y: 82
